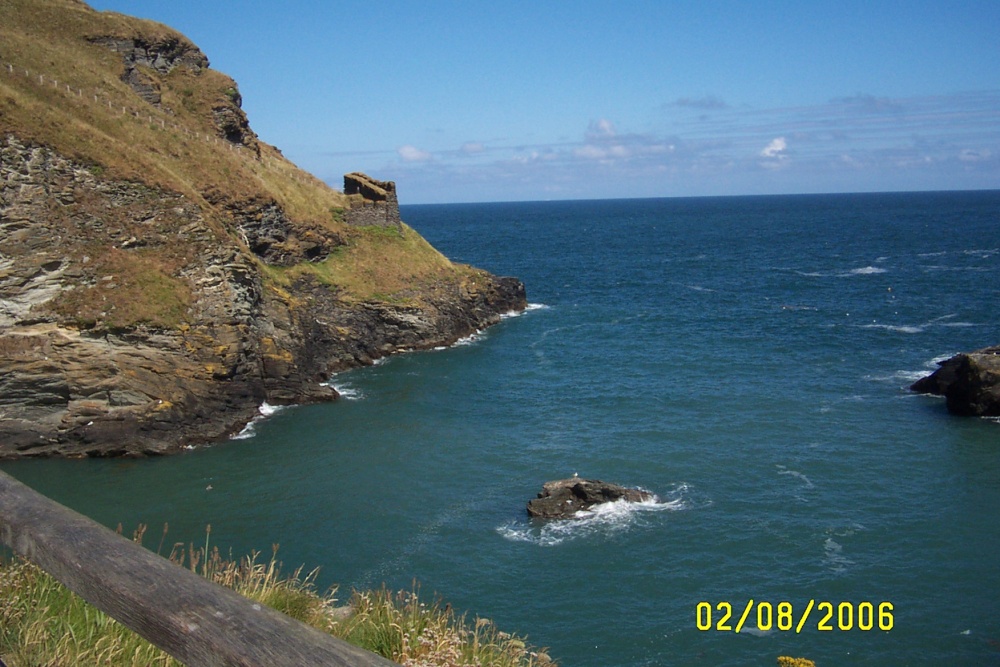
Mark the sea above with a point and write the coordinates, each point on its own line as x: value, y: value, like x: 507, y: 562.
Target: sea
x: 745, y: 359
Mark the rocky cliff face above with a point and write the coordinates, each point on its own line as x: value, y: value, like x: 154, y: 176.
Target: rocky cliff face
x: 153, y: 299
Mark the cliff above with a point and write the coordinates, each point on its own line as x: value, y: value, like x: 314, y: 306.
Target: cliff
x: 163, y: 271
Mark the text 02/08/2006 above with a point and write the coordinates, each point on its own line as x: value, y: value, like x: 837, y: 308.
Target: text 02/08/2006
x: 828, y: 616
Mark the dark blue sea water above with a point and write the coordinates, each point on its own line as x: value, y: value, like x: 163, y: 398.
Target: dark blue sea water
x: 746, y: 359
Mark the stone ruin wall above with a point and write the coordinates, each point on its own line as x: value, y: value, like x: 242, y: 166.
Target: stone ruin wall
x: 373, y: 202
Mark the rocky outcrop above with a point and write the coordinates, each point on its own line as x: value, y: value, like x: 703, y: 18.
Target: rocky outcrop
x: 564, y: 498
x: 266, y: 230
x: 970, y: 383
x: 231, y: 121
x: 146, y: 60
x: 132, y: 322
x: 161, y: 56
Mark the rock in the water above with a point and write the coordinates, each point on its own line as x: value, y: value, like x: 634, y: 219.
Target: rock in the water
x: 562, y: 499
x: 970, y: 383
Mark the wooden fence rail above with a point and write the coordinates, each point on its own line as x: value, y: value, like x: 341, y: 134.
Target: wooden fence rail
x: 198, y: 622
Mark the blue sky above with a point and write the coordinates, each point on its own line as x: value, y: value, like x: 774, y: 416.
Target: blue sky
x: 500, y: 101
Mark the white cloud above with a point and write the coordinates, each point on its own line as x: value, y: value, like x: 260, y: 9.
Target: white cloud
x: 836, y: 145
x: 413, y: 154
x: 775, y: 149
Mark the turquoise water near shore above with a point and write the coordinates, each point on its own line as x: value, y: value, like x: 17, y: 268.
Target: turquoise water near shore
x: 744, y: 358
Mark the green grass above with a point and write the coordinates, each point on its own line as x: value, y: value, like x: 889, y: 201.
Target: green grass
x: 43, y: 623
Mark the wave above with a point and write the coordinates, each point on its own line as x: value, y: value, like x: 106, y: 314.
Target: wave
x: 264, y: 410
x: 478, y: 334
x: 981, y: 253
x: 942, y: 321
x: 909, y: 377
x: 782, y: 470
x: 860, y: 271
x: 696, y: 288
x: 833, y: 551
x: 907, y: 329
x: 529, y: 308
x: 602, y: 520
x: 834, y: 558
x: 865, y: 271
x: 473, y: 337
x: 346, y: 391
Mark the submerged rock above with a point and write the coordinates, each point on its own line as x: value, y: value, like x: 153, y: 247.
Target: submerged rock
x: 562, y: 499
x: 970, y: 383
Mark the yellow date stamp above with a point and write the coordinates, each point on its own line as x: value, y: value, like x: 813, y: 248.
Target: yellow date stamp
x: 824, y: 616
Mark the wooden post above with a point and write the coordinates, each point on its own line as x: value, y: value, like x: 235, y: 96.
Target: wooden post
x: 197, y: 622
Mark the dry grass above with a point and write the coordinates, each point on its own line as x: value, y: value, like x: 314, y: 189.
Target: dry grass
x: 43, y: 623
x: 138, y: 288
x: 50, y: 38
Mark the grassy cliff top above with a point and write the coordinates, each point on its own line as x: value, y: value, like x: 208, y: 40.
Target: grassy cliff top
x: 101, y: 120
x: 136, y: 101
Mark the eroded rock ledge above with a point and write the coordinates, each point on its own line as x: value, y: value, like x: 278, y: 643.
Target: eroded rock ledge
x: 969, y: 382
x: 562, y: 499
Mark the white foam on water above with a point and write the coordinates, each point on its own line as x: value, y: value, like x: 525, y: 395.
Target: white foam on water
x: 833, y: 551
x: 907, y: 329
x: 466, y: 340
x: 981, y: 253
x: 699, y: 288
x: 865, y: 271
x: 264, y: 410
x: 346, y: 391
x: 860, y: 271
x: 782, y: 470
x: 908, y: 377
x: 247, y: 432
x: 833, y: 556
x: 602, y: 520
x: 517, y: 313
